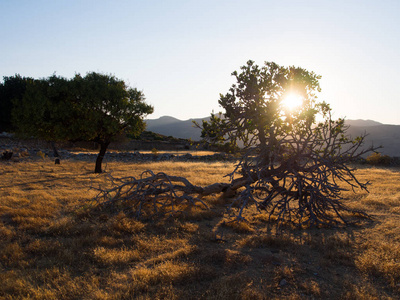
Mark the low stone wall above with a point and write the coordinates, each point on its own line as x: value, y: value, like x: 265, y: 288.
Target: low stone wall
x: 23, y: 150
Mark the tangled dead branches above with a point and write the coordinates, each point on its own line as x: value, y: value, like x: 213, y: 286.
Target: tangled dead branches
x: 152, y: 194
x: 299, y: 180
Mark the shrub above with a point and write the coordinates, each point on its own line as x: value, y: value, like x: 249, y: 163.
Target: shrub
x: 377, y: 158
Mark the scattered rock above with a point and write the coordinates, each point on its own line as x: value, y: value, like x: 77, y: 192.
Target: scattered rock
x: 36, y: 150
x: 6, y: 155
x: 186, y: 156
x: 6, y: 135
x: 24, y: 153
x: 283, y: 282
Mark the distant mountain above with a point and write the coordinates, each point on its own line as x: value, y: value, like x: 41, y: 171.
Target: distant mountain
x: 378, y: 133
x: 362, y: 123
x: 170, y: 126
x: 162, y: 121
x: 387, y: 136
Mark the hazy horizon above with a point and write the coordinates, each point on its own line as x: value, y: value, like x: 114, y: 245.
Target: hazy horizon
x: 188, y: 119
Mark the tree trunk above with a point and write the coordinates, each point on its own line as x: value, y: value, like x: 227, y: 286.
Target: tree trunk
x: 57, y: 158
x: 265, y: 151
x: 99, y: 160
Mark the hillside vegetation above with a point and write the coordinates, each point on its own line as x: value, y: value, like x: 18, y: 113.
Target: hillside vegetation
x: 53, y: 248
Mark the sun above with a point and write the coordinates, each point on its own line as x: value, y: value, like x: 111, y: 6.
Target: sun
x: 292, y: 101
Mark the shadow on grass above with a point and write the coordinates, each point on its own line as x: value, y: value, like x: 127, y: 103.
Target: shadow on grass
x: 197, y: 255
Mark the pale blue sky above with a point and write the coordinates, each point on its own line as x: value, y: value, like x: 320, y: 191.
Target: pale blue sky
x: 181, y: 53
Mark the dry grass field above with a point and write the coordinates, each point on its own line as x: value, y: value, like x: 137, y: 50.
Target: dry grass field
x: 53, y: 249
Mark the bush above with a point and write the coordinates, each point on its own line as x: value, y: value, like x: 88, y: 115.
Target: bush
x: 377, y: 158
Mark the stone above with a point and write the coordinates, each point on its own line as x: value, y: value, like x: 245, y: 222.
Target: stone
x: 24, y: 153
x: 6, y: 155
x: 283, y: 282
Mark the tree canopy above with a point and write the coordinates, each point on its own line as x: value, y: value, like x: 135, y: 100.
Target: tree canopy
x: 95, y: 107
x: 13, y: 87
x: 254, y: 111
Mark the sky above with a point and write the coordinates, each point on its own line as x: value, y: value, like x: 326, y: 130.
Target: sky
x: 181, y: 53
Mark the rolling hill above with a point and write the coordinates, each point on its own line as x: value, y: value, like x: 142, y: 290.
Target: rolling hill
x: 378, y: 134
x: 170, y: 126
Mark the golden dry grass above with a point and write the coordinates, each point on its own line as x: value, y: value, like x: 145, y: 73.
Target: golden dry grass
x: 52, y: 249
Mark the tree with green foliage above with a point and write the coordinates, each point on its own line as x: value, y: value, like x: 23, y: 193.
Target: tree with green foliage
x: 295, y: 163
x: 293, y: 159
x: 43, y: 109
x: 13, y: 87
x: 95, y: 107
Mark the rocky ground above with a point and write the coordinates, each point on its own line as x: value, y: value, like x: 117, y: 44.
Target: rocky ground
x: 38, y: 150
x: 16, y: 150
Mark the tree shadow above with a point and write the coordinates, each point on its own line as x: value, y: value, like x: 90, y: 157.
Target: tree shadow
x: 201, y: 255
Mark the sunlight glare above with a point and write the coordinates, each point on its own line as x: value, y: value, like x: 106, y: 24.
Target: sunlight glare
x: 292, y: 101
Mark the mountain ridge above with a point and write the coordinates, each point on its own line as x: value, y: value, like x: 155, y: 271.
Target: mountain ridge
x: 377, y: 133
x: 363, y: 123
